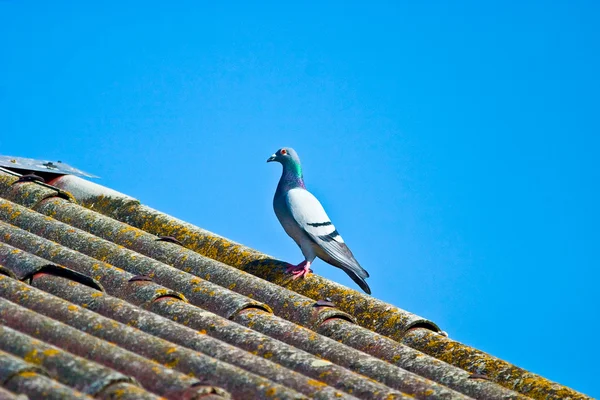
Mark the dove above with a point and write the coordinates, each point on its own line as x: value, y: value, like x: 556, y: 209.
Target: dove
x: 304, y: 220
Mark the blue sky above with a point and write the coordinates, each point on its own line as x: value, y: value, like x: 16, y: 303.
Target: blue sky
x: 454, y: 145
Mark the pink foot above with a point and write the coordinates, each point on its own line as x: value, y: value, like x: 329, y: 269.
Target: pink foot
x: 300, y: 270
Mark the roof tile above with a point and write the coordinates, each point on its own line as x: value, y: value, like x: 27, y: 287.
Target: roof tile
x: 154, y: 324
x: 19, y: 376
x: 210, y: 317
x: 333, y: 374
x: 83, y: 375
x: 264, y: 322
x: 7, y: 395
x: 238, y: 382
x: 155, y: 377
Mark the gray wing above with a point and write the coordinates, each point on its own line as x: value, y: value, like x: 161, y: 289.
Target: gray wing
x: 309, y: 214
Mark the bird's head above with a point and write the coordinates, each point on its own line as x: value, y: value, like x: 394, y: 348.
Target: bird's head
x: 285, y: 156
x: 290, y: 161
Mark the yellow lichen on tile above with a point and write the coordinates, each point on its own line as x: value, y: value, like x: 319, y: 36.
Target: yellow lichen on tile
x: 172, y: 364
x: 33, y: 357
x: 195, y: 281
x: 315, y: 383
x: 51, y: 352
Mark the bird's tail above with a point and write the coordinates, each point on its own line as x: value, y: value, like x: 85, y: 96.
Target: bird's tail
x: 358, y: 275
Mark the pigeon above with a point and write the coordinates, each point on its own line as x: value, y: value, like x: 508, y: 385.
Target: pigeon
x: 304, y: 220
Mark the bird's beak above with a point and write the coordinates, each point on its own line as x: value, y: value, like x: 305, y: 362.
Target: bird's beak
x: 272, y: 158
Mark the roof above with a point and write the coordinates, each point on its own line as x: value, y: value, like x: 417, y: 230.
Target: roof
x: 102, y: 296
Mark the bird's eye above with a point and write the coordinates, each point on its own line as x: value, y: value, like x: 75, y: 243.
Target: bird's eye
x: 283, y: 152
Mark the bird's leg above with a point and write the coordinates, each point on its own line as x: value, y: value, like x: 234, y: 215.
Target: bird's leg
x: 300, y: 270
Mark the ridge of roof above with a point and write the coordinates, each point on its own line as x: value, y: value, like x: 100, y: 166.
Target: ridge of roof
x: 258, y: 323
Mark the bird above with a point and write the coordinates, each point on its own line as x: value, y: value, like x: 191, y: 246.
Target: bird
x: 304, y: 219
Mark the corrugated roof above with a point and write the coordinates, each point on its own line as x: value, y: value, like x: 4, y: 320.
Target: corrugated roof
x: 104, y: 297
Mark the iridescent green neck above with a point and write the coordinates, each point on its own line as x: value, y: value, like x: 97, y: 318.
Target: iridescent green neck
x: 296, y: 169
x: 291, y: 176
